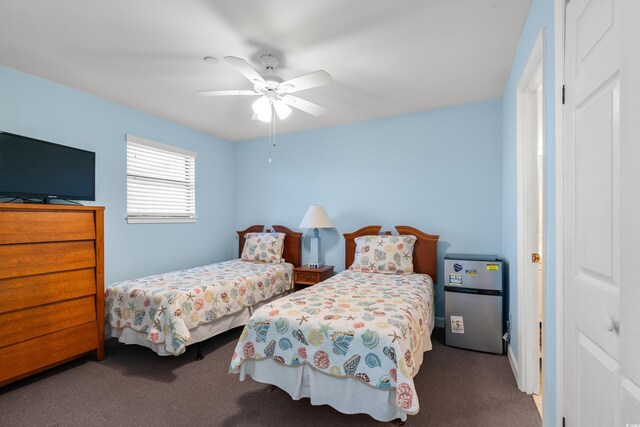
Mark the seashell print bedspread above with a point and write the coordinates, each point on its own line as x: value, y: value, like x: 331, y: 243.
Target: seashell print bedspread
x: 167, y: 306
x: 363, y: 325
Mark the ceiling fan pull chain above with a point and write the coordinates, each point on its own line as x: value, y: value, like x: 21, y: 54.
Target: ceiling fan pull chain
x: 273, y: 120
x: 272, y: 132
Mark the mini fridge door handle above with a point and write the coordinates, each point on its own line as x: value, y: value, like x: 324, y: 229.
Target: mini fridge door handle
x: 472, y: 291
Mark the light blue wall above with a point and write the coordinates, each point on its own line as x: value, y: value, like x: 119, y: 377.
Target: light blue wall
x: 437, y: 170
x: 541, y: 16
x: 45, y: 110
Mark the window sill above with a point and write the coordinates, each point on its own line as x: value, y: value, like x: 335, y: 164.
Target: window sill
x: 159, y: 220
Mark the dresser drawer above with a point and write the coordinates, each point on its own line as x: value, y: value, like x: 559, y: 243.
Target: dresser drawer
x: 39, y: 258
x: 23, y: 292
x: 38, y: 226
x: 51, y: 286
x: 22, y: 325
x: 38, y: 353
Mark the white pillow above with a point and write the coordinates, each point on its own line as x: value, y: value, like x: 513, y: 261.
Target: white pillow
x: 384, y: 254
x: 263, y: 247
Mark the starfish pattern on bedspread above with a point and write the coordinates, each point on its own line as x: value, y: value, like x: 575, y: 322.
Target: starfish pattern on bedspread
x: 167, y: 306
x: 367, y: 326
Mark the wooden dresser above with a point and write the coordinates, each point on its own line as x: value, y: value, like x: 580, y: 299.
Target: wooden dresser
x: 51, y: 286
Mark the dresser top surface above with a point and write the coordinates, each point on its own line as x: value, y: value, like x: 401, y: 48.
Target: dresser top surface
x: 43, y: 207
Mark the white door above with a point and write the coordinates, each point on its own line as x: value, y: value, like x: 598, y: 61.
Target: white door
x: 630, y: 215
x: 601, y: 214
x: 533, y: 229
x: 531, y: 129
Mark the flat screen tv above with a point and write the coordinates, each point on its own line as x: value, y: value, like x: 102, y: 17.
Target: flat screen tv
x: 34, y: 169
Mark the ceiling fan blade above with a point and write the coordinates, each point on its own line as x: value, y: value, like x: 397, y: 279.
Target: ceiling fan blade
x: 308, y: 81
x: 226, y: 92
x: 243, y: 66
x: 304, y: 105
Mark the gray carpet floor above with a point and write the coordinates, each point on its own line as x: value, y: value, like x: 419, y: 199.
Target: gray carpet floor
x: 135, y: 387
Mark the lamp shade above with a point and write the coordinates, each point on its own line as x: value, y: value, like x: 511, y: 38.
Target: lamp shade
x: 316, y: 217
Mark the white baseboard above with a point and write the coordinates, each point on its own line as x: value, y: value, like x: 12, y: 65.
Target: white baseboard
x: 514, y: 364
x: 439, y: 322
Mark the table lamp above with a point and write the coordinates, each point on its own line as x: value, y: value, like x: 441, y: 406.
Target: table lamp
x: 315, y: 218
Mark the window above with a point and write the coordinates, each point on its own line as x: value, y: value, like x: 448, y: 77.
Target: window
x: 161, y: 182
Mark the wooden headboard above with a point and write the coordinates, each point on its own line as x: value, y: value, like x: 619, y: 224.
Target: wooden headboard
x: 425, y: 250
x: 292, y: 252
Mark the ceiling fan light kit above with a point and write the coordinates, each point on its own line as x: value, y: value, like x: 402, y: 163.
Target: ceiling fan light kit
x: 282, y: 110
x: 273, y: 92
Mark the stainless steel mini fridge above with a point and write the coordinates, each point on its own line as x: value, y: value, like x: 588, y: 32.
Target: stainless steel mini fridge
x: 474, y: 302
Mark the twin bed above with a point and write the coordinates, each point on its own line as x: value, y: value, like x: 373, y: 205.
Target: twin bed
x: 354, y: 341
x: 168, y: 312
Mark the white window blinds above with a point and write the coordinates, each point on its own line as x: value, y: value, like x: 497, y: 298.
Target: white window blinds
x: 161, y: 183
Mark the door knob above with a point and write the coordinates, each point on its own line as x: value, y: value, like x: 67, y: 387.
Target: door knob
x: 535, y: 258
x: 610, y: 323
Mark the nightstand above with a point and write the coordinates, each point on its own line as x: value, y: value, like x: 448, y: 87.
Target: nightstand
x: 304, y: 275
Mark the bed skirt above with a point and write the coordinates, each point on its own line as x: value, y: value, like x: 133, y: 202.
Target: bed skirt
x: 198, y: 334
x: 348, y: 395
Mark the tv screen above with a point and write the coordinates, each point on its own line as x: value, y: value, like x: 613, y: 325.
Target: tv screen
x: 30, y: 168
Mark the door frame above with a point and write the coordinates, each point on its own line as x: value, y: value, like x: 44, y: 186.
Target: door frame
x: 559, y: 45
x: 532, y: 76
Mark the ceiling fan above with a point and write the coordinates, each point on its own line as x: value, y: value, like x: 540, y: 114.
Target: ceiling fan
x: 275, y: 94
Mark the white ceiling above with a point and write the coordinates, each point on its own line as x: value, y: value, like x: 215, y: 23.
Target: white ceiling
x: 386, y: 57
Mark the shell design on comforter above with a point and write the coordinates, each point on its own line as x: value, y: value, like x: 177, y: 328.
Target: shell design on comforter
x: 167, y: 306
x: 363, y: 325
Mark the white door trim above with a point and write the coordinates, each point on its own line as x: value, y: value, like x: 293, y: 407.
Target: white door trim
x: 559, y: 31
x: 528, y: 329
